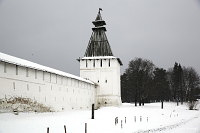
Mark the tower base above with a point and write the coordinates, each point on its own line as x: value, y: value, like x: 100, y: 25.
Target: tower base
x: 105, y: 101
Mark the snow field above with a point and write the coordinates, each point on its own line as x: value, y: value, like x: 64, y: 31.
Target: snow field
x: 104, y: 122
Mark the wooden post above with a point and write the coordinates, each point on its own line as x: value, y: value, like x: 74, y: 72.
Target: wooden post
x: 85, y: 127
x: 125, y: 120
x: 47, y: 129
x: 121, y: 124
x: 177, y: 102
x: 140, y: 118
x: 92, y: 111
x: 147, y: 119
x: 161, y: 104
x: 116, y: 120
x: 65, y: 129
x: 135, y: 118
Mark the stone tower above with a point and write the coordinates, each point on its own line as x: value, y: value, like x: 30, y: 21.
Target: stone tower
x: 100, y: 66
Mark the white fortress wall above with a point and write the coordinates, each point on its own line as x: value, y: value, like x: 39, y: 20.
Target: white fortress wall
x: 57, y: 91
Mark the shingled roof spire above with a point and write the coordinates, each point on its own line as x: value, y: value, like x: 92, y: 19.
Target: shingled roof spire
x: 98, y: 44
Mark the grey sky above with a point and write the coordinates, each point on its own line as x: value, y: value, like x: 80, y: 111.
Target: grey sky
x: 56, y: 32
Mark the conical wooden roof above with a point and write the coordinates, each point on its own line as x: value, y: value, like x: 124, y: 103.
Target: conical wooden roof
x: 98, y: 44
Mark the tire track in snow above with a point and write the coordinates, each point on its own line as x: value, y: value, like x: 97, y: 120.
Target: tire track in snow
x: 168, y: 127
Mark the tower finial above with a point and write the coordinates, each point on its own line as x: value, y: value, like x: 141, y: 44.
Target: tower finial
x: 100, y: 9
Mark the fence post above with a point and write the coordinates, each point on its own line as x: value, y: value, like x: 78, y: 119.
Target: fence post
x: 85, y: 127
x: 65, y: 129
x: 47, y: 129
x: 125, y: 120
x: 135, y: 118
x: 121, y: 124
x: 116, y: 120
x: 92, y: 111
x: 140, y: 118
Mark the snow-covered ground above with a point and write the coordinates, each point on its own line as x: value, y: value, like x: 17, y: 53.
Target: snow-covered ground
x: 148, y: 118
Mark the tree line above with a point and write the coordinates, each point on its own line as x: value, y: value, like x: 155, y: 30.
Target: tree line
x: 143, y: 82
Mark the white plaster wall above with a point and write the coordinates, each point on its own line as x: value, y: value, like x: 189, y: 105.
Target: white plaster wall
x: 53, y: 90
x: 107, y: 77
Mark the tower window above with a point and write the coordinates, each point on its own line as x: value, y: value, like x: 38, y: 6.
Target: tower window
x: 101, y: 62
x: 109, y: 62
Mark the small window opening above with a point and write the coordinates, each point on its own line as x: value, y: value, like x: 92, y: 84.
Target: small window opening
x: 5, y: 67
x: 86, y: 64
x: 50, y: 77
x: 62, y: 80
x: 56, y: 78
x: 98, y: 81
x: 39, y: 89
x: 101, y: 62
x: 43, y: 74
x: 27, y: 87
x: 27, y: 72
x: 109, y: 62
x: 35, y: 74
x: 106, y: 81
x: 16, y: 69
x: 14, y: 85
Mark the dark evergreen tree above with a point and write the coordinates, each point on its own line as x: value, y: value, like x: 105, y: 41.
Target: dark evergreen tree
x: 141, y: 83
x: 139, y: 75
x: 192, y: 82
x: 161, y: 85
x: 180, y: 91
x: 124, y: 88
x: 175, y: 81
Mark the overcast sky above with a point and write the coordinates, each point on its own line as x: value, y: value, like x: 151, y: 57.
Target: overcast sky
x: 55, y: 33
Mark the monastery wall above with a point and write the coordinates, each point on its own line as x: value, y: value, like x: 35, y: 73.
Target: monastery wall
x: 56, y: 91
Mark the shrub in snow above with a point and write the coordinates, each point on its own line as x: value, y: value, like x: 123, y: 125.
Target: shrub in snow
x: 192, y: 105
x: 20, y: 104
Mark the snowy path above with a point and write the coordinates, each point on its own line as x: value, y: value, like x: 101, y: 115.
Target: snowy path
x: 189, y: 126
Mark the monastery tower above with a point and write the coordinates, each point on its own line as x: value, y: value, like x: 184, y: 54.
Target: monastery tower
x: 100, y: 66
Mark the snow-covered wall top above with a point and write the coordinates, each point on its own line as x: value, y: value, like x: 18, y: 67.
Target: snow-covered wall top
x: 29, y: 64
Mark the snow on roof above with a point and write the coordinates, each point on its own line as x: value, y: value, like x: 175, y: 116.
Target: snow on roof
x: 100, y: 57
x: 29, y: 64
